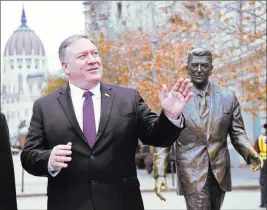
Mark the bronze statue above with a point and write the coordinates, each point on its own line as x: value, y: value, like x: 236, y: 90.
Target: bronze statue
x: 201, y: 155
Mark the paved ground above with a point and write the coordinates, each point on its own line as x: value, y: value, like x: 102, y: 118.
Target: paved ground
x: 242, y: 178
x: 238, y: 199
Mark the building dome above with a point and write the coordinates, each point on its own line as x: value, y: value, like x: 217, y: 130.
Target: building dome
x: 24, y: 41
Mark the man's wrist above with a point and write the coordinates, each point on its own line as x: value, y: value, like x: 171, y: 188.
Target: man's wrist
x: 172, y: 115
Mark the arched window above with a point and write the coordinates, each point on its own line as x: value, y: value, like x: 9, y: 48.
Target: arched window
x: 19, y: 62
x: 36, y: 62
x: 28, y: 62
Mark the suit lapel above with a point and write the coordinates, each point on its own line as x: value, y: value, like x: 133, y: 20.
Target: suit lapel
x: 107, y: 96
x: 215, y: 109
x: 66, y: 103
x: 190, y: 112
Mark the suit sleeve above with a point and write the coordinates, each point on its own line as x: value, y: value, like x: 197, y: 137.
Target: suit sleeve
x: 238, y: 134
x: 35, y: 154
x: 154, y: 130
x: 161, y: 156
x: 256, y: 146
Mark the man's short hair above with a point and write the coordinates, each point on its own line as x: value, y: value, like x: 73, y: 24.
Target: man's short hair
x: 69, y: 41
x: 199, y: 52
x: 265, y: 125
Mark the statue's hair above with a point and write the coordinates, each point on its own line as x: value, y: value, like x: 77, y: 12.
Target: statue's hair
x: 199, y: 52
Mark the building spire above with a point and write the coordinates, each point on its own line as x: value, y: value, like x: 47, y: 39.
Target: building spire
x: 23, y: 17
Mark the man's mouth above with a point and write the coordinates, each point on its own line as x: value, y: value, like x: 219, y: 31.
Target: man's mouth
x: 92, y: 69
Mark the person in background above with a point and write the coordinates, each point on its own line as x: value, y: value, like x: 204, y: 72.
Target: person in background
x: 8, y: 200
x: 202, y: 156
x: 83, y: 136
x: 261, y: 147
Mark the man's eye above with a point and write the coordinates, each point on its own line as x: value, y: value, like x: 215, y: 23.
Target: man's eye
x: 194, y: 66
x: 96, y: 53
x: 81, y: 56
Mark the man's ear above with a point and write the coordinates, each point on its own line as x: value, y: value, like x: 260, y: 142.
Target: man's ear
x: 65, y: 67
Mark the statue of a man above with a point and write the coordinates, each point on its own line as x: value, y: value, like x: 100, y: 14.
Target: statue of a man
x: 202, y: 158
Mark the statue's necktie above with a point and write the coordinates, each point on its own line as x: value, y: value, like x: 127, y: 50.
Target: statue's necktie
x: 203, y: 108
x: 89, y: 128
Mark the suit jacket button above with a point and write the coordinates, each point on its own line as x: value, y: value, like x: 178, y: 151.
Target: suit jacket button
x: 93, y: 182
x: 92, y: 157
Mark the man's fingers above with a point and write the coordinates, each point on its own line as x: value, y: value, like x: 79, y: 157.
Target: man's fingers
x: 62, y: 159
x: 164, y: 91
x: 188, y: 97
x: 166, y: 186
x: 177, y: 85
x: 62, y: 152
x: 160, y: 195
x: 187, y: 89
x: 64, y: 147
x: 59, y: 165
x: 255, y: 167
x: 183, y: 86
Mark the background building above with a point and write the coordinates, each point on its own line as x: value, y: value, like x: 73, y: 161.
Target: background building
x: 23, y: 74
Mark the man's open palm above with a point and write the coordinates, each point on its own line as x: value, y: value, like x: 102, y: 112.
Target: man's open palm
x: 174, y: 101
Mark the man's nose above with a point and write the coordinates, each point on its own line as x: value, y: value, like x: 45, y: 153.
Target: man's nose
x: 199, y: 67
x: 90, y: 60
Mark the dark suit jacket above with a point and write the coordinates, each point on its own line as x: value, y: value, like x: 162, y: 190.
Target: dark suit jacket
x: 8, y: 199
x: 196, y: 147
x: 103, y: 177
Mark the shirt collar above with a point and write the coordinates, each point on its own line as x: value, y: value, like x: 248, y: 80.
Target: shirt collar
x: 207, y: 89
x: 78, y: 92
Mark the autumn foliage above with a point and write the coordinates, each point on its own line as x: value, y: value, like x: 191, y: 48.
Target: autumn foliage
x: 147, y: 60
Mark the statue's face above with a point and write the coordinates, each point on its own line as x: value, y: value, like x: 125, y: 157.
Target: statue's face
x: 199, y: 70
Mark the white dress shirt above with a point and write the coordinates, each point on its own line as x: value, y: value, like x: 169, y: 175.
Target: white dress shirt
x: 77, y: 101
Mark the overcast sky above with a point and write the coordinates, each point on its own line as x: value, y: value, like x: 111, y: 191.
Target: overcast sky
x: 52, y: 21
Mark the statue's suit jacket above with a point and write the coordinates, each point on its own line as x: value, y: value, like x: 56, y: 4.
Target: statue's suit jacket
x: 102, y: 177
x: 196, y: 146
x: 8, y: 200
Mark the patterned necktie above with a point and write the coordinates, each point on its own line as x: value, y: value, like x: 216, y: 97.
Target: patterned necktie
x: 203, y: 108
x: 89, y: 128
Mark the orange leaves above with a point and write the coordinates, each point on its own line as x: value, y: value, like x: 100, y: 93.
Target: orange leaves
x: 215, y: 55
x: 53, y: 84
x: 226, y: 20
x: 219, y: 15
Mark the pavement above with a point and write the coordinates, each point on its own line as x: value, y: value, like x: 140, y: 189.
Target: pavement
x: 242, y: 179
x: 31, y: 191
x: 237, y: 199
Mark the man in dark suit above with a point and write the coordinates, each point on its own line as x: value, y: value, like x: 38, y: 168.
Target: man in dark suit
x: 8, y: 200
x: 202, y: 157
x: 84, y: 135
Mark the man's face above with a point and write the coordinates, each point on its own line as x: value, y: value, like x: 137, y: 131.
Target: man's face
x: 83, y: 64
x: 199, y: 69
